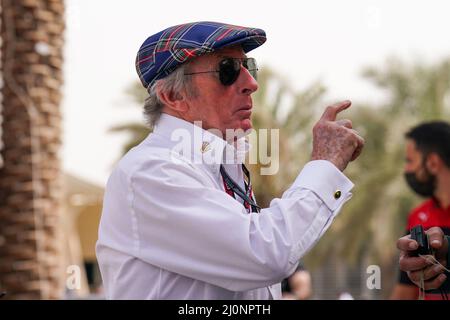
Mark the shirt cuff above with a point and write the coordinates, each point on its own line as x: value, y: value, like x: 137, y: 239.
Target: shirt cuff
x: 326, y: 181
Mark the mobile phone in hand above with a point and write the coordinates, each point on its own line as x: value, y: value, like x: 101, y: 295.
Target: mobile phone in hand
x: 418, y: 234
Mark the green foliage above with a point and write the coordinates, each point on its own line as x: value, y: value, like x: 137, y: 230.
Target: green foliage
x: 277, y: 106
x: 136, y: 131
x: 376, y: 216
x: 368, y: 226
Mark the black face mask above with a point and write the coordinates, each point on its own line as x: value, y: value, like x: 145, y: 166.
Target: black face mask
x: 424, y: 188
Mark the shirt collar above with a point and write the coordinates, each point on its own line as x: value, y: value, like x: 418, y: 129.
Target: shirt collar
x: 199, y: 145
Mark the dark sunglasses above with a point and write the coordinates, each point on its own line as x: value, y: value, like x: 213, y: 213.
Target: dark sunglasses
x: 230, y: 68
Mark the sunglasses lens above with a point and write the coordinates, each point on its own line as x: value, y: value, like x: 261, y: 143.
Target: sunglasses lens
x: 230, y: 68
x: 229, y: 71
x: 250, y: 65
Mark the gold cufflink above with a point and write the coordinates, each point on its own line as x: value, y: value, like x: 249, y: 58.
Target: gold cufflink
x: 337, y: 194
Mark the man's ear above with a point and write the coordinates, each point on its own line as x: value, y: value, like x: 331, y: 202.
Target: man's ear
x: 434, y: 163
x: 175, y: 101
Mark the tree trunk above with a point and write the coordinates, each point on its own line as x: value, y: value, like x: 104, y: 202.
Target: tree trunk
x: 30, y: 182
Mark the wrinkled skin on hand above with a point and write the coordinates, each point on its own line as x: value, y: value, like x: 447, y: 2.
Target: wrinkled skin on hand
x: 336, y: 141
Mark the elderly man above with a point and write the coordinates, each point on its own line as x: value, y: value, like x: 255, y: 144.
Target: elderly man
x: 179, y: 219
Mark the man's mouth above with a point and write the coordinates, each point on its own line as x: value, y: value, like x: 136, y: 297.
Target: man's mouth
x: 247, y: 108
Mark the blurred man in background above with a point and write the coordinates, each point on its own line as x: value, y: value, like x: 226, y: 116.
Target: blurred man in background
x: 298, y: 286
x: 427, y: 172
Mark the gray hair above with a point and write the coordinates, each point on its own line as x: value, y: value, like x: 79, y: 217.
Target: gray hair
x: 174, y: 82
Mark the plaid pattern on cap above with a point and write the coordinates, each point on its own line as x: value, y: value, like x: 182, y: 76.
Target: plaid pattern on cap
x: 163, y: 52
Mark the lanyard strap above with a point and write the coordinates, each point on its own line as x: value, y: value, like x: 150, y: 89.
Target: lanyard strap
x: 232, y: 186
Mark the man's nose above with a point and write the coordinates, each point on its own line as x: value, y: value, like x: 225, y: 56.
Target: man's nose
x: 247, y: 84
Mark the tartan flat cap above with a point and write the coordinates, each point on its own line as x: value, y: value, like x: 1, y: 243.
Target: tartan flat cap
x: 163, y: 52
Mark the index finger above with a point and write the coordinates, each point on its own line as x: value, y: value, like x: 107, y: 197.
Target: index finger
x: 332, y: 111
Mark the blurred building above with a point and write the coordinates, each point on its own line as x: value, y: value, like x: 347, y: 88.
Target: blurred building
x: 81, y: 217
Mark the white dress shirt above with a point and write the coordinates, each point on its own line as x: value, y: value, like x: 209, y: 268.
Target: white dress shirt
x: 170, y: 231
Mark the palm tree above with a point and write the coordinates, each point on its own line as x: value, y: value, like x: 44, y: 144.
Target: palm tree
x: 137, y: 131
x: 367, y: 229
x: 376, y: 216
x: 30, y: 181
x: 293, y: 113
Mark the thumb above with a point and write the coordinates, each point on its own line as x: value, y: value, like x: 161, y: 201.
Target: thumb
x: 331, y: 112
